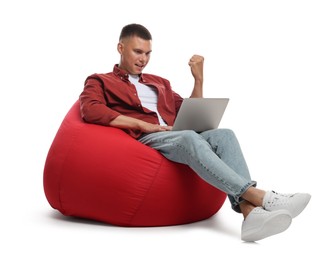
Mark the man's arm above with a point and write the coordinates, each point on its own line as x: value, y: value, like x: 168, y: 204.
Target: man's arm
x: 196, y: 65
x: 94, y: 110
x: 126, y: 122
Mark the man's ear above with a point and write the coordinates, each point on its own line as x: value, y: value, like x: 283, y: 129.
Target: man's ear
x: 120, y: 47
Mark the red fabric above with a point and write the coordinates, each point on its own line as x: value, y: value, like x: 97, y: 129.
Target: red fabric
x: 106, y: 96
x: 101, y: 173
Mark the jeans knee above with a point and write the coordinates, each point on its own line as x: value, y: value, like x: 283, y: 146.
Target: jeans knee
x: 220, y: 133
x: 220, y: 137
x: 189, y: 136
x: 191, y: 139
x: 227, y: 132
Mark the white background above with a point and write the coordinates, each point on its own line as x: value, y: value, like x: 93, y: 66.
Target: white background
x: 273, y: 59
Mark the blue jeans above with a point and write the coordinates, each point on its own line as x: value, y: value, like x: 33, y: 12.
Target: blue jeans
x: 215, y: 155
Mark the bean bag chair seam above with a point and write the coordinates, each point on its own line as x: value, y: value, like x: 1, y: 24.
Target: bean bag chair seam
x: 147, y: 191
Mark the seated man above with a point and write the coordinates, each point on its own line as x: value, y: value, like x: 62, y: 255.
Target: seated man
x: 145, y: 107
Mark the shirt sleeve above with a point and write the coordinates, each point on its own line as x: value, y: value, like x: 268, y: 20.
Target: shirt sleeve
x: 93, y: 105
x: 178, y: 101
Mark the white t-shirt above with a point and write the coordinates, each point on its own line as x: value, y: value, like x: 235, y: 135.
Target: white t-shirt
x: 148, y: 96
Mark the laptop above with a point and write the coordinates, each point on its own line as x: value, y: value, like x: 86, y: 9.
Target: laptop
x: 200, y: 114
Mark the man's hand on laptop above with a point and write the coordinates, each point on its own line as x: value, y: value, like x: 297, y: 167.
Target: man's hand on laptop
x: 152, y: 128
x: 126, y: 122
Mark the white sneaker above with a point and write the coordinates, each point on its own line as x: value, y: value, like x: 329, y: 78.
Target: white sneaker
x: 294, y: 203
x: 260, y: 224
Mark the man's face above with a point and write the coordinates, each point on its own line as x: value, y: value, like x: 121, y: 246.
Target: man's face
x: 135, y: 54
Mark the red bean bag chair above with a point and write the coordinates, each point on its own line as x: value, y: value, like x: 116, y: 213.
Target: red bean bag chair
x: 103, y: 174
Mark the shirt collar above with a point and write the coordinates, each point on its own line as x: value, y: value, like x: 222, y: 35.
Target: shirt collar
x: 123, y: 74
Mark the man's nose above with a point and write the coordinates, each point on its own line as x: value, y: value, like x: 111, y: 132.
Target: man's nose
x: 143, y: 57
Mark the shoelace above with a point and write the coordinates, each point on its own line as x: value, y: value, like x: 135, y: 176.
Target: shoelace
x: 278, y: 199
x: 287, y: 195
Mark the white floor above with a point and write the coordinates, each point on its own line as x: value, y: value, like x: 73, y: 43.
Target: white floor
x: 274, y: 59
x: 34, y: 230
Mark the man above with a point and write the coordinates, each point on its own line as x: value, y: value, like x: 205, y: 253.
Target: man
x: 145, y: 106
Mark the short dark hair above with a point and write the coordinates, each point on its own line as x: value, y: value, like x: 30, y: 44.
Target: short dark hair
x: 134, y: 29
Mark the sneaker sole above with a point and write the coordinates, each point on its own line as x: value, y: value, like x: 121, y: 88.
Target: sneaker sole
x: 275, y: 224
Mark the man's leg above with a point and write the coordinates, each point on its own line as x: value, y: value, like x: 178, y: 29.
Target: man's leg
x: 192, y: 149
x: 225, y: 144
x: 206, y: 155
